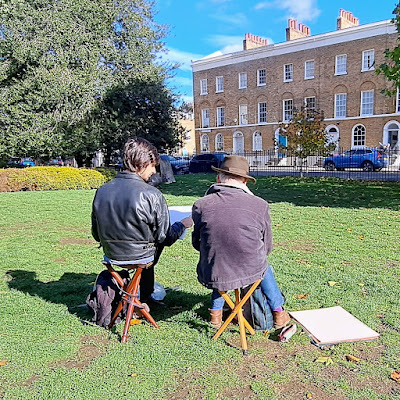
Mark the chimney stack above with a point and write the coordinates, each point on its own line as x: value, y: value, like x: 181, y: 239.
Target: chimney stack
x: 346, y: 19
x: 294, y: 31
x: 252, y: 41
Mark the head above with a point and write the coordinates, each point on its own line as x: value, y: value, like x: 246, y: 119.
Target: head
x: 234, y: 167
x: 140, y: 157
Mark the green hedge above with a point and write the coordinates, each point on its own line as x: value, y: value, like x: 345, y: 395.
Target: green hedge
x: 49, y: 178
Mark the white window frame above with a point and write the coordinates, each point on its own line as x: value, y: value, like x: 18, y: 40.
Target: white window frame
x: 361, y: 139
x: 367, y: 64
x: 257, y: 141
x: 205, y: 118
x: 219, y: 142
x: 219, y: 84
x: 262, y: 113
x: 288, y: 73
x: 339, y: 97
x: 307, y: 71
x: 203, y: 87
x: 337, y: 64
x: 261, y: 77
x: 315, y: 102
x: 243, y: 116
x: 286, y: 111
x: 205, y: 143
x: 243, y: 80
x: 220, y: 116
x: 365, y: 95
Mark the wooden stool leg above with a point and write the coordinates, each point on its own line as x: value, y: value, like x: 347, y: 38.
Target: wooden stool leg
x: 242, y: 330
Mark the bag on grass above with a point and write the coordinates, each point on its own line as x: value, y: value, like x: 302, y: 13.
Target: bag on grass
x: 105, y: 298
x: 257, y: 310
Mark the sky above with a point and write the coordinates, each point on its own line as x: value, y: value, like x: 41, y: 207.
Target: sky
x: 200, y: 28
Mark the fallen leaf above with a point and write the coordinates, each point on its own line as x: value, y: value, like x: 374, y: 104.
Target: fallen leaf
x: 324, y: 360
x: 349, y: 230
x: 302, y: 296
x: 360, y: 284
x: 332, y: 283
x: 309, y: 395
x: 135, y: 322
x: 134, y: 375
x: 361, y: 237
x: 349, y: 357
x: 395, y: 375
x: 3, y: 362
x: 302, y: 261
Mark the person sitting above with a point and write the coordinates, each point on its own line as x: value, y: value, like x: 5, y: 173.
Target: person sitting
x: 130, y: 218
x: 232, y: 232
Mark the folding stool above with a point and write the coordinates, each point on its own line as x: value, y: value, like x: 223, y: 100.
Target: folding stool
x: 237, y: 309
x: 130, y: 296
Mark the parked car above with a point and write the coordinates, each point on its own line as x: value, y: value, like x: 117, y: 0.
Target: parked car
x: 203, y: 162
x: 368, y: 159
x: 56, y: 162
x: 179, y: 167
x: 17, y: 162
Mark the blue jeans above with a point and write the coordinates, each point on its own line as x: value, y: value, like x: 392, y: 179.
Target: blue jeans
x: 268, y: 286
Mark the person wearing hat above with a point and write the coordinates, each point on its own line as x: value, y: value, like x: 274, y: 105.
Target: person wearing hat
x: 232, y: 232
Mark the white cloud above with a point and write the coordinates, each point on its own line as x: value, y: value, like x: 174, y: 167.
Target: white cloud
x: 183, y: 58
x: 302, y: 10
x: 181, y: 81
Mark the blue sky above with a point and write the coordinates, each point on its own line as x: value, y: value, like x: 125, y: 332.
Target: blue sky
x: 199, y: 28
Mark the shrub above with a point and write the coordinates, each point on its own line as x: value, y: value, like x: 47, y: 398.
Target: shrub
x: 49, y: 178
x: 108, y: 173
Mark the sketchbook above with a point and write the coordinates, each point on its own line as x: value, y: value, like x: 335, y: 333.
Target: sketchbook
x: 177, y: 213
x: 333, y: 325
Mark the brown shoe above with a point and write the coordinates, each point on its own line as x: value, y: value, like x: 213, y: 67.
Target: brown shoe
x: 216, y: 318
x: 281, y: 319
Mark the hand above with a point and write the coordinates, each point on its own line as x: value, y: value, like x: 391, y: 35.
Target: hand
x: 187, y: 222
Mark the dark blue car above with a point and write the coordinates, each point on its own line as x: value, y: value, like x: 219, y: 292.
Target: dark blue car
x: 367, y: 159
x: 203, y: 162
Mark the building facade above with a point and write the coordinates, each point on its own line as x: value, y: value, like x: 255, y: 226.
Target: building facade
x: 241, y: 98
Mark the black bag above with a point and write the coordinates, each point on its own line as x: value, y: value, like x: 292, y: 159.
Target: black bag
x: 257, y: 310
x: 105, y: 298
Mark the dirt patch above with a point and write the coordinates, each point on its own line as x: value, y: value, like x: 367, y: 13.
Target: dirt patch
x: 28, y: 383
x: 60, y: 260
x: 67, y: 241
x: 91, y: 348
x: 240, y: 393
x: 298, y: 245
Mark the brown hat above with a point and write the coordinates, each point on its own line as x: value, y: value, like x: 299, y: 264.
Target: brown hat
x: 236, y: 166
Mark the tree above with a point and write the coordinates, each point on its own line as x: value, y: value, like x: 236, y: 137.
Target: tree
x: 306, y: 135
x: 60, y: 59
x: 391, y: 68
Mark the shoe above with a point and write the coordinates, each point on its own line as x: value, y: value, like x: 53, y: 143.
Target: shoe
x: 216, y: 318
x: 281, y: 319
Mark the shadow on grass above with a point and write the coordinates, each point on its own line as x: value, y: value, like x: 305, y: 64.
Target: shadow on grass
x: 307, y: 191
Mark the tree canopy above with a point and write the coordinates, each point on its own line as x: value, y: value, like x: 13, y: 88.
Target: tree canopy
x: 66, y: 65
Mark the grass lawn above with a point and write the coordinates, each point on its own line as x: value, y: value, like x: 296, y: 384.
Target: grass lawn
x: 324, y: 230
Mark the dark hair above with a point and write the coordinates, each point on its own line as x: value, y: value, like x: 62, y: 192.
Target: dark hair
x: 138, y: 154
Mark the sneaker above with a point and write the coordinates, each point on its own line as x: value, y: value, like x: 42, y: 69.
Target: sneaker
x: 281, y: 319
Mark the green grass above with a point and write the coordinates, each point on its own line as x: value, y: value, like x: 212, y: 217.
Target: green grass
x: 324, y: 230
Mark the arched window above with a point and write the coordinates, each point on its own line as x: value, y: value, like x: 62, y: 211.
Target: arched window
x: 205, y: 143
x: 391, y: 134
x: 238, y: 143
x: 358, y: 138
x: 219, y: 142
x: 333, y: 136
x: 257, y: 141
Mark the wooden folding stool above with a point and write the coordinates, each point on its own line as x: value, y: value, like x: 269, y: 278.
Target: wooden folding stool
x: 130, y: 296
x: 237, y: 309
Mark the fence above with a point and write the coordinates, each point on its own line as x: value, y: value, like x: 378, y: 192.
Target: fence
x: 371, y: 164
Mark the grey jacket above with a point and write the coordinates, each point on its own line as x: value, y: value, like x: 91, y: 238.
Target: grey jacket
x: 232, y: 231
x: 130, y: 219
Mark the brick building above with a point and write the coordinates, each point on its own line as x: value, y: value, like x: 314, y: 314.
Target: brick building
x: 240, y: 98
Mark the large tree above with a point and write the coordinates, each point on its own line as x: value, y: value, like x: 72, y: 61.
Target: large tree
x: 60, y: 60
x: 391, y: 68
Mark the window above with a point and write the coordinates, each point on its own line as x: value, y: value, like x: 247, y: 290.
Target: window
x: 220, y: 116
x: 287, y: 110
x: 340, y: 105
x: 310, y: 103
x: 219, y: 142
x: 341, y: 64
x: 203, y: 86
x: 287, y: 72
x: 257, y: 141
x: 205, y: 143
x: 358, y: 135
x: 309, y: 69
x: 242, y: 80
x: 262, y: 113
x: 205, y: 118
x: 261, y: 77
x: 368, y: 59
x: 243, y: 117
x: 219, y: 84
x: 367, y: 102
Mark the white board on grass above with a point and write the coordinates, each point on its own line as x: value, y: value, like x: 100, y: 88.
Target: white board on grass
x: 177, y: 213
x: 333, y: 325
